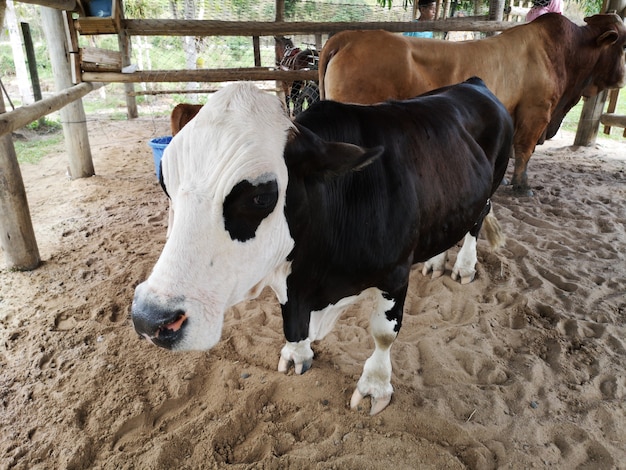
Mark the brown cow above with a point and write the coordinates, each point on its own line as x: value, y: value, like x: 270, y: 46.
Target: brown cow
x: 538, y: 70
x: 181, y: 115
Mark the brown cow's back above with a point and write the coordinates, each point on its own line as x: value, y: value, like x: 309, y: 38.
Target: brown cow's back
x: 419, y: 65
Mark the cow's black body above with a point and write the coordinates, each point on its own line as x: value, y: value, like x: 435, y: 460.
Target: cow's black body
x: 443, y: 157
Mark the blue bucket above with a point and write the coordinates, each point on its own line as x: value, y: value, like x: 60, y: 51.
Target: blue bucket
x: 158, y: 145
x: 100, y: 8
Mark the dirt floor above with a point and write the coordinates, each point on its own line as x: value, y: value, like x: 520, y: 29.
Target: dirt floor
x: 523, y: 368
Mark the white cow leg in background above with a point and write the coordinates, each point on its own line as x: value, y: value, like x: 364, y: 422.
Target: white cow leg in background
x: 436, y: 264
x: 376, y: 378
x: 465, y: 265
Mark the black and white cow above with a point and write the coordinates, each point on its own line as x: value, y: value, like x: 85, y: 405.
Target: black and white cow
x: 327, y: 211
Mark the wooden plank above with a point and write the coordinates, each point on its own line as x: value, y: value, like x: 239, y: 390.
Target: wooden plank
x: 614, y: 120
x: 203, y: 75
x: 72, y: 44
x: 94, y: 25
x: 101, y: 25
x: 101, y: 56
x: 93, y: 67
x: 160, y: 27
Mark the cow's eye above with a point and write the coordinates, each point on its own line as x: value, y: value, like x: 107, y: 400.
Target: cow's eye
x: 265, y: 200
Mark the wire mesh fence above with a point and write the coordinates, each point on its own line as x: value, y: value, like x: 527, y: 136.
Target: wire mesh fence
x: 176, y: 52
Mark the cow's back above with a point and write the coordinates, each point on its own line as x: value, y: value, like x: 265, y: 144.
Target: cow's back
x: 383, y: 65
x: 429, y: 144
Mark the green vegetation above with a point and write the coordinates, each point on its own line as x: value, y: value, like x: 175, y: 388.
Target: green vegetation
x: 48, y: 139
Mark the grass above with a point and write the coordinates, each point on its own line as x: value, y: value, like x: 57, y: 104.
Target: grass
x: 43, y: 138
x: 33, y: 151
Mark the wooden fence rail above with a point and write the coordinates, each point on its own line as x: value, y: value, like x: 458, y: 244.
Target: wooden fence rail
x: 28, y: 113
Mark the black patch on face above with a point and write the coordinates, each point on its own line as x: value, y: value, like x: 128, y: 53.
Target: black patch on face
x: 246, y: 206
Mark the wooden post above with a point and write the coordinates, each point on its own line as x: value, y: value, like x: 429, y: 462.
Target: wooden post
x: 280, y: 16
x: 73, y: 115
x: 32, y: 65
x: 129, y: 88
x: 589, y: 122
x: 123, y: 40
x: 17, y: 237
x: 496, y: 12
x: 613, y: 95
x: 256, y: 46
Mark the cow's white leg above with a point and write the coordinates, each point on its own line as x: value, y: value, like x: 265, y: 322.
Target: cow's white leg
x: 376, y: 378
x: 299, y: 353
x: 436, y: 264
x: 465, y: 265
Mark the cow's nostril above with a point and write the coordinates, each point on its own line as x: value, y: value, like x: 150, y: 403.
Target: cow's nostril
x: 174, y: 326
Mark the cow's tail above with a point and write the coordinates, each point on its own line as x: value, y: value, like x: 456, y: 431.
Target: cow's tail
x: 328, y: 52
x: 493, y: 231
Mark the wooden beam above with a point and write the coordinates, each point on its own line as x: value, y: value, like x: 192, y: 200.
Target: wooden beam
x: 58, y: 4
x: 17, y: 237
x: 153, y: 27
x: 202, y: 75
x: 29, y: 113
x: 613, y: 120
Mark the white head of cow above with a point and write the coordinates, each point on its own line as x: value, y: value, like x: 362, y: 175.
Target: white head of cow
x: 228, y: 238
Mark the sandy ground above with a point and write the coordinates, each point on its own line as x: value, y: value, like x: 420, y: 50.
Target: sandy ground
x: 523, y: 368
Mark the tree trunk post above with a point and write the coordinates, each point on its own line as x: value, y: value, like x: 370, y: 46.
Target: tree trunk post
x: 73, y: 115
x: 124, y: 43
x: 589, y: 122
x: 17, y: 237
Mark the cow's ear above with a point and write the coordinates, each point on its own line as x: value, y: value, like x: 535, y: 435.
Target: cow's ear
x: 608, y: 38
x: 306, y: 154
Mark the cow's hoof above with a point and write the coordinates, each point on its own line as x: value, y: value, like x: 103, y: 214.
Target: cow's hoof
x: 465, y: 278
x: 378, y: 404
x: 299, y: 367
x: 299, y: 354
x: 436, y: 273
x: 524, y: 191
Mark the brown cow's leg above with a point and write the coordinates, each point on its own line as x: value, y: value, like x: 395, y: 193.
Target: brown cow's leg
x: 524, y: 146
